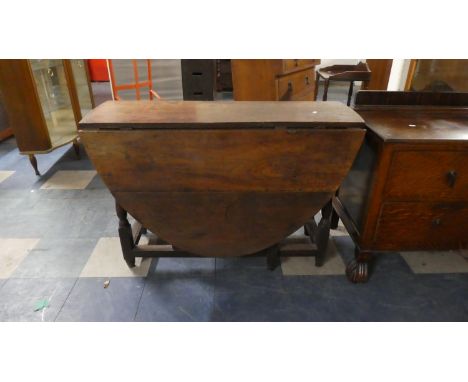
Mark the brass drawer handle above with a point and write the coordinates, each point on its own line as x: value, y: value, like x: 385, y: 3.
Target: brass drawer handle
x: 452, y: 178
x: 290, y: 87
x: 307, y: 80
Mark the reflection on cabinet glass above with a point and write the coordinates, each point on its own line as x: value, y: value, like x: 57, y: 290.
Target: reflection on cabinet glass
x: 83, y: 86
x: 438, y: 75
x: 45, y: 99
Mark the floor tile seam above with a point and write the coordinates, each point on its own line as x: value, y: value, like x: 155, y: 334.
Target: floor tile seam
x: 141, y: 297
x: 66, y: 299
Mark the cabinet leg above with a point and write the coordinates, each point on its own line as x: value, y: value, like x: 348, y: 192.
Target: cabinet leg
x: 358, y: 269
x: 126, y: 236
x: 76, y: 146
x: 33, y: 161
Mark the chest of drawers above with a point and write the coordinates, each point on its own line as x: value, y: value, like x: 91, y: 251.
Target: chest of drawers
x: 408, y: 188
x: 274, y: 80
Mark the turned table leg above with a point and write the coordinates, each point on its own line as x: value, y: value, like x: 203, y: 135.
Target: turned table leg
x: 358, y: 270
x: 33, y: 161
x: 126, y: 236
x: 322, y: 234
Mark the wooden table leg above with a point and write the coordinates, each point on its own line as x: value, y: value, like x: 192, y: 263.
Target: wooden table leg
x: 126, y: 236
x: 334, y: 218
x: 317, y: 79
x: 350, y: 92
x: 325, y: 90
x: 322, y: 234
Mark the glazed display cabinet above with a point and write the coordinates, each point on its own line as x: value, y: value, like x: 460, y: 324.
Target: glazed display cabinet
x: 44, y: 100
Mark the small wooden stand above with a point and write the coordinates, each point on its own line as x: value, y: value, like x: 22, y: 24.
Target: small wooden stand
x: 314, y: 244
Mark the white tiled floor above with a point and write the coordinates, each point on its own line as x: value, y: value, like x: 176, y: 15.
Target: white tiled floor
x: 12, y: 253
x: 69, y: 180
x: 436, y: 262
x: 107, y: 261
x: 305, y: 266
x: 5, y: 174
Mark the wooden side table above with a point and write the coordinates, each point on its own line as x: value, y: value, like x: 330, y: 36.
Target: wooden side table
x: 348, y: 73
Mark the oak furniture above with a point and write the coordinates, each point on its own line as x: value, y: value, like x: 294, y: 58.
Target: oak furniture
x: 346, y: 73
x: 408, y: 187
x: 45, y: 100
x: 381, y: 69
x: 222, y: 178
x: 273, y: 80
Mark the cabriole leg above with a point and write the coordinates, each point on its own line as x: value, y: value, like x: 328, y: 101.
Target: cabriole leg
x: 33, y: 161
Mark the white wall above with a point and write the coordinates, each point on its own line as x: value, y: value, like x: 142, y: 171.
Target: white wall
x: 398, y: 74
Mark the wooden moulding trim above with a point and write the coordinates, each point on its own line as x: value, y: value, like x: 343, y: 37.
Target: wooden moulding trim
x: 51, y: 149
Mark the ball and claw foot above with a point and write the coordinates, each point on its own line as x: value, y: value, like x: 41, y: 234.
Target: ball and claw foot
x: 357, y: 271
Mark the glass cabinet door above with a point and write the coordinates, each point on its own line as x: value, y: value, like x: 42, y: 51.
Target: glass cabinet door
x: 82, y: 87
x: 440, y: 75
x: 51, y: 85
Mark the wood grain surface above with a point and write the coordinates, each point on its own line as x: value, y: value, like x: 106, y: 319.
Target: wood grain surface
x: 226, y: 189
x: 226, y: 114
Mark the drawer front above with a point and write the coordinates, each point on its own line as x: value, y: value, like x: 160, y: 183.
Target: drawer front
x: 428, y: 175
x: 296, y: 86
x: 289, y: 65
x: 422, y: 226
